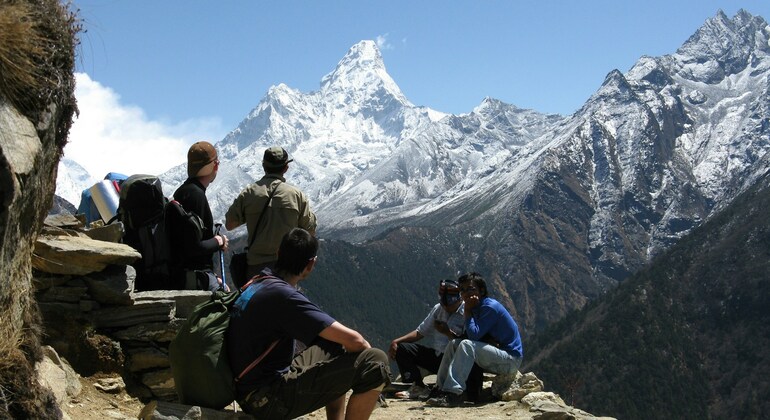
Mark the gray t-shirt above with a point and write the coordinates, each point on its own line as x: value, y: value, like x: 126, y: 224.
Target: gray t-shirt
x: 434, y: 339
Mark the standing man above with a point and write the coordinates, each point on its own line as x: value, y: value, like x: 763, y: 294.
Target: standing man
x: 270, y: 208
x: 267, y: 319
x: 493, y: 343
x: 193, y: 252
x: 444, y: 322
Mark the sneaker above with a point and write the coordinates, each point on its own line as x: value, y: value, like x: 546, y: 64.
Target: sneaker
x: 447, y: 399
x: 415, y: 392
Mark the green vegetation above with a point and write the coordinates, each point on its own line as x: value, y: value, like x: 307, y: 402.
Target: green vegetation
x: 685, y: 338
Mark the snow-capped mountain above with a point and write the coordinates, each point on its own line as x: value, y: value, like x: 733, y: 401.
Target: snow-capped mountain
x: 363, y: 153
x: 71, y: 180
x: 554, y: 209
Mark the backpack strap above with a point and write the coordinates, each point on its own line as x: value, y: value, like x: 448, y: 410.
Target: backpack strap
x: 256, y: 279
x: 252, y: 365
x: 257, y: 360
x: 259, y: 220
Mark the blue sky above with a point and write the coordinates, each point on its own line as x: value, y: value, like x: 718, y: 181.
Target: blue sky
x: 164, y: 74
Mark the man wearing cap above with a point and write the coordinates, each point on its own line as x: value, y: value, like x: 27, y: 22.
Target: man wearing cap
x: 444, y: 322
x: 202, y: 167
x: 270, y: 208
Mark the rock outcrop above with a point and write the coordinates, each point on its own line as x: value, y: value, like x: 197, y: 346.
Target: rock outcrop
x: 37, y: 50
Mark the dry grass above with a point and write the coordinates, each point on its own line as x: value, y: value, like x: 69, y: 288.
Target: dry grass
x: 20, y: 395
x: 20, y: 46
x: 37, y: 43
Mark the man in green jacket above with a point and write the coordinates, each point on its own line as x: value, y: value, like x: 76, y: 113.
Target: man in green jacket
x: 284, y: 206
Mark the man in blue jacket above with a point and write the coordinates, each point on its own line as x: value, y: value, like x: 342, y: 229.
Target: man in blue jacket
x: 493, y: 342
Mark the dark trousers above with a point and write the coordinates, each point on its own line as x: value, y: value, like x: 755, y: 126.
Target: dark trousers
x: 410, y: 357
x: 316, y: 377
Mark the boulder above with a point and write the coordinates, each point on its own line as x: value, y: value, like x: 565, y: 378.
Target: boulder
x: 138, y: 313
x: 147, y: 358
x: 109, y: 233
x: 185, y: 300
x: 80, y: 256
x: 518, y: 388
x: 55, y: 373
x: 161, y: 383
x: 64, y: 221
x: 110, y: 385
x: 112, y: 286
x: 159, y: 332
x: 162, y: 410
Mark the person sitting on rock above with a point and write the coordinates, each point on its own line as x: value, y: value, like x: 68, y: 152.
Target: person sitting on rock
x: 444, y: 322
x: 269, y: 320
x: 493, y: 342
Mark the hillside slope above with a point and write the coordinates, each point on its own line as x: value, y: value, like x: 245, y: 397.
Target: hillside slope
x: 687, y: 336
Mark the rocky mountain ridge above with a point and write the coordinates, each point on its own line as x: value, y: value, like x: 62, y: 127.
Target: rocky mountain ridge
x: 694, y: 322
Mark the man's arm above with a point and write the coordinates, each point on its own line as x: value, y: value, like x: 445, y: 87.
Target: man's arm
x: 350, y: 339
x: 411, y: 337
x: 231, y: 224
x: 232, y: 217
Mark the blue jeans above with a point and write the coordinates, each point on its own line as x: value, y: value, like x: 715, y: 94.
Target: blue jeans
x: 459, y: 356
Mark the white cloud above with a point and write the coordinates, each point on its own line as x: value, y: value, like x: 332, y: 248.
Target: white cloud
x: 382, y: 42
x: 109, y: 136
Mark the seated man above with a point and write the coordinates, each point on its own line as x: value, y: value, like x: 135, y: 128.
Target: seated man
x: 266, y: 320
x: 493, y: 343
x: 444, y: 322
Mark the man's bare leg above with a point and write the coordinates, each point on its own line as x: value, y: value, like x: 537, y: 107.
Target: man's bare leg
x: 360, y: 406
x: 335, y: 410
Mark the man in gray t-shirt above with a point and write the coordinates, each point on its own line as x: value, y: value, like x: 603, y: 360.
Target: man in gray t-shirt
x: 444, y: 322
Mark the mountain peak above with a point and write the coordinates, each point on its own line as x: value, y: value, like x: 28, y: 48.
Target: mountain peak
x: 362, y: 70
x: 731, y: 42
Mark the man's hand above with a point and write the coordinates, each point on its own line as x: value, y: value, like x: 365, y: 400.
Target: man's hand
x: 470, y: 303
x: 223, y: 241
x: 443, y: 328
x: 392, y: 349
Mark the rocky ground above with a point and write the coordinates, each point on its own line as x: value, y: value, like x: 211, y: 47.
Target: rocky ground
x: 94, y: 403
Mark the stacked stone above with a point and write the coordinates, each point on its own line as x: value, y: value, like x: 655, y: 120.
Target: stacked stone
x: 90, y: 283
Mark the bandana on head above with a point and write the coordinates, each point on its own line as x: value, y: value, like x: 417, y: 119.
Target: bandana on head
x: 449, y: 292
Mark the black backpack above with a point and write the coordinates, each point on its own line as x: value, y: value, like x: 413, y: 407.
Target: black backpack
x: 142, y: 209
x: 182, y: 225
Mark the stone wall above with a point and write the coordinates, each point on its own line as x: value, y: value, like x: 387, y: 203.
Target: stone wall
x: 93, y: 319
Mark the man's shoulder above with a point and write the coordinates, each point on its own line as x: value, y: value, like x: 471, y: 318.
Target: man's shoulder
x: 287, y: 187
x: 492, y: 304
x: 188, y: 188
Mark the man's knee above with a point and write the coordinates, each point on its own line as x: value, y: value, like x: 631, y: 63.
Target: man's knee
x: 467, y: 347
x: 372, y: 370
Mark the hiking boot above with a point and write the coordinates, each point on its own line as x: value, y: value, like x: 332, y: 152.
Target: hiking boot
x: 415, y: 392
x: 447, y: 399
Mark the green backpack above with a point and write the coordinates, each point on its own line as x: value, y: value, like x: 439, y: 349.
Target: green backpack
x: 198, y: 353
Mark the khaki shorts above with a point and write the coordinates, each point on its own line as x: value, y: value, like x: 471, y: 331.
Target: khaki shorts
x: 316, y: 378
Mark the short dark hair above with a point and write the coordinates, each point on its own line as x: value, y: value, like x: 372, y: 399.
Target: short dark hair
x: 297, y: 248
x: 477, y: 281
x: 274, y: 170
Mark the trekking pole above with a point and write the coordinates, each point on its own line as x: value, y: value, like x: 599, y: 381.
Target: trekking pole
x: 222, y: 260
